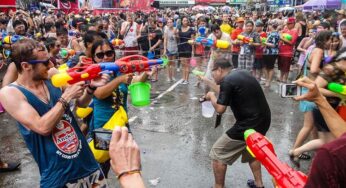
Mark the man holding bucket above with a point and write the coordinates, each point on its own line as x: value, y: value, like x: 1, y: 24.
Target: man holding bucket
x: 241, y: 91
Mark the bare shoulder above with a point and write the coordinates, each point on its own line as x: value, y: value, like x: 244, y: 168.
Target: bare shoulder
x: 11, y: 93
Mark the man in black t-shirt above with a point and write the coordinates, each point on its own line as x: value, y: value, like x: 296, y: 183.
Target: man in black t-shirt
x: 241, y: 91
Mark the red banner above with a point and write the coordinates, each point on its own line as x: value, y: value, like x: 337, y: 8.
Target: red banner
x: 136, y: 4
x: 68, y: 5
x: 6, y: 5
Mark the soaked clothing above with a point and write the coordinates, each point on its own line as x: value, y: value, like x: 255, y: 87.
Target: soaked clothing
x: 242, y: 92
x: 64, y: 156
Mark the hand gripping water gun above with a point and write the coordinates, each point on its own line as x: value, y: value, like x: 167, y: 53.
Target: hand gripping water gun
x: 337, y: 88
x: 287, y: 36
x: 117, y: 42
x: 65, y: 52
x: 129, y: 64
x: 262, y: 149
x: 244, y: 39
x: 119, y: 118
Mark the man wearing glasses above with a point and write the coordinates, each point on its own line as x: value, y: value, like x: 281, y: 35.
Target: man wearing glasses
x: 241, y: 91
x: 47, y: 125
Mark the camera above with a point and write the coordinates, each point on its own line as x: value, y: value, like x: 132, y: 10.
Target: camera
x: 290, y: 90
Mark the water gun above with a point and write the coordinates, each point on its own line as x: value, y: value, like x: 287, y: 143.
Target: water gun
x: 125, y: 65
x: 11, y: 39
x: 210, y: 42
x: 198, y: 73
x: 262, y: 149
x: 73, y: 33
x: 117, y: 42
x: 244, y: 39
x: 263, y: 40
x: 337, y: 88
x: 65, y: 52
x: 287, y: 36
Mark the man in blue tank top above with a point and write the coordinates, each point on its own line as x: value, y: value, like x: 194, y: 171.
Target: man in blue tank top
x: 47, y: 125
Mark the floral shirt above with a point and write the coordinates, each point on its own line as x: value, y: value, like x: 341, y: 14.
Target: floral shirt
x: 273, y: 38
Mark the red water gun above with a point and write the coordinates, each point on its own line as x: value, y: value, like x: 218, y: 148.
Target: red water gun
x: 129, y: 64
x: 262, y: 149
x: 244, y: 39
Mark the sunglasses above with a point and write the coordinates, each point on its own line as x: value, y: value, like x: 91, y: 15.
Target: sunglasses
x: 101, y: 55
x: 44, y: 62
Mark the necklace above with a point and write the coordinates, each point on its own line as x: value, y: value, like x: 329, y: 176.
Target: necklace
x: 44, y: 99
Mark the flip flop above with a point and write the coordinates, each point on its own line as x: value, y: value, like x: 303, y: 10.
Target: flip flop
x: 304, y: 156
x: 251, y: 184
x: 202, y: 99
x: 10, y: 167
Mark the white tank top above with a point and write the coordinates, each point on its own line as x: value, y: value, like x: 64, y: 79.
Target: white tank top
x: 130, y: 39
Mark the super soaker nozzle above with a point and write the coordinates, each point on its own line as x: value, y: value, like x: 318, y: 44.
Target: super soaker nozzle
x: 262, y: 149
x: 337, y: 88
x: 287, y: 36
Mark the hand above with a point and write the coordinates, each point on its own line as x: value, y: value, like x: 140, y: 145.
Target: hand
x: 126, y: 78
x: 100, y: 81
x: 151, y: 49
x: 313, y: 94
x: 240, y: 42
x: 74, y: 91
x: 201, y: 77
x: 209, y: 95
x: 124, y: 152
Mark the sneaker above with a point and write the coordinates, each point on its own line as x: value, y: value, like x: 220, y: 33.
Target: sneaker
x: 178, y: 69
x: 185, y: 82
x: 169, y: 80
x: 173, y: 79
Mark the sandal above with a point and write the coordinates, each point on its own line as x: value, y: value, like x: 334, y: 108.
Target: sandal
x: 202, y: 99
x: 251, y: 184
x: 304, y: 156
x: 10, y: 167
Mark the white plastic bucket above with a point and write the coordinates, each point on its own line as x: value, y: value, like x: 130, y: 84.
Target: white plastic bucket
x: 207, y: 109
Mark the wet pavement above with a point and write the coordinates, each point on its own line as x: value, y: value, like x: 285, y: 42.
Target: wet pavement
x: 175, y: 140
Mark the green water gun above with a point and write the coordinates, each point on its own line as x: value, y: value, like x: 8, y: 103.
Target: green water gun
x: 337, y: 88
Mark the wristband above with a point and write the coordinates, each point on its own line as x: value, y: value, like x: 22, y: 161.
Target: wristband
x: 92, y: 88
x: 128, y: 172
x: 64, y: 103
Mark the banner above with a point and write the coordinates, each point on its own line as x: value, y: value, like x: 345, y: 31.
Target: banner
x: 6, y: 5
x: 68, y: 5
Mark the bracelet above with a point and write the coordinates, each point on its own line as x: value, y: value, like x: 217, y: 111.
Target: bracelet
x: 128, y: 172
x: 92, y: 88
x: 64, y: 103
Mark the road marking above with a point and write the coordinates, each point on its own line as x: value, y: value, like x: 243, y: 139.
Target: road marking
x: 169, y: 89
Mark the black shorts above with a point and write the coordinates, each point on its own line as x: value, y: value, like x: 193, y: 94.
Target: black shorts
x: 258, y: 63
x: 269, y: 61
x: 185, y: 54
x: 320, y: 124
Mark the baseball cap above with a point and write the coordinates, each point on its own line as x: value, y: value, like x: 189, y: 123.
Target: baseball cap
x: 291, y: 20
x: 259, y: 23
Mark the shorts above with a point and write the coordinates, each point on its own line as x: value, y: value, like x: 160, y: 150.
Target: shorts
x: 170, y: 54
x: 246, y: 61
x: 131, y: 51
x: 235, y: 60
x: 258, y: 63
x: 185, y: 54
x: 93, y: 179
x: 269, y: 61
x: 319, y: 121
x: 284, y: 63
x: 227, y: 150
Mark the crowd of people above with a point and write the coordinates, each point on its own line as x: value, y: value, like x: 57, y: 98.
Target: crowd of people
x: 36, y: 43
